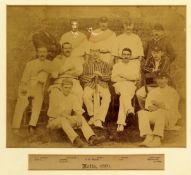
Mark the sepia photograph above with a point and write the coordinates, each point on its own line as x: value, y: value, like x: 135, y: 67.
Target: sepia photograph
x: 96, y: 76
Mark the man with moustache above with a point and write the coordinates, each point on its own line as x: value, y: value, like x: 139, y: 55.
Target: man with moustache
x: 125, y: 75
x: 67, y: 66
x: 76, y: 38
x: 130, y: 40
x: 44, y: 37
x: 32, y: 85
x: 105, y: 40
x: 160, y: 40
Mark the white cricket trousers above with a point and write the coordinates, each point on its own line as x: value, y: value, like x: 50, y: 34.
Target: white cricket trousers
x: 158, y: 118
x: 37, y: 92
x: 126, y: 90
x: 104, y: 105
x: 68, y: 124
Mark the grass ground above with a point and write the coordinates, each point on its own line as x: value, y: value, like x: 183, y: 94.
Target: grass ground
x: 128, y: 139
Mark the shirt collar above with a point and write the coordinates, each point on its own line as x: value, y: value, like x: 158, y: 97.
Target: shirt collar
x: 75, y: 34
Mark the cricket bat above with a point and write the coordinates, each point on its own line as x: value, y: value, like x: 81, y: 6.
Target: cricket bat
x: 96, y: 99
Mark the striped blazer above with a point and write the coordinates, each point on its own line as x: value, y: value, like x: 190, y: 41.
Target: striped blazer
x: 88, y: 71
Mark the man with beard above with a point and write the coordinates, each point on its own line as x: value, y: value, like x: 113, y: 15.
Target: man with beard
x: 105, y: 40
x: 125, y: 75
x: 76, y: 38
x: 44, y: 37
x: 32, y: 85
x: 67, y: 66
x: 160, y: 40
x: 130, y: 40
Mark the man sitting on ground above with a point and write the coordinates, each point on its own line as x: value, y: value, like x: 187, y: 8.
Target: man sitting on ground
x: 60, y: 115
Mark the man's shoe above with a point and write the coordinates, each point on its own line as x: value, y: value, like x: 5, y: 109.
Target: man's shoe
x: 130, y: 118
x: 155, y: 143
x: 31, y: 130
x: 17, y: 133
x: 45, y: 137
x: 148, y: 139
x: 78, y: 143
x: 98, y: 124
x: 94, y: 140
x: 120, y: 128
x: 91, y: 121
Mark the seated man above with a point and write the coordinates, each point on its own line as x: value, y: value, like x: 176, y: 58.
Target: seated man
x: 67, y: 66
x: 156, y: 64
x: 32, y: 85
x: 95, y: 77
x: 60, y: 115
x: 161, y: 109
x: 125, y: 75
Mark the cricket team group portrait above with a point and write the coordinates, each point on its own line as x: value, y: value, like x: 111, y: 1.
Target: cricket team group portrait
x: 96, y: 76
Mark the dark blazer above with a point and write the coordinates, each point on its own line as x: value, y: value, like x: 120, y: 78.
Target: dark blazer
x: 148, y: 72
x: 164, y: 44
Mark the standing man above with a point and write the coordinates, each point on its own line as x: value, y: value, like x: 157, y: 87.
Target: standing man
x: 156, y: 64
x: 125, y: 75
x: 76, y: 38
x: 95, y: 77
x: 45, y: 38
x: 105, y: 40
x: 67, y: 66
x: 161, y: 109
x: 130, y: 40
x: 60, y: 115
x: 32, y: 85
x: 160, y: 40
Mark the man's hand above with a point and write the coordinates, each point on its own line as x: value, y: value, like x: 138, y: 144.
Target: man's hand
x: 158, y: 104
x: 97, y: 73
x: 70, y: 72
x: 23, y: 90
x: 54, y: 74
x: 66, y: 68
x: 123, y: 76
x: 42, y: 77
x: 152, y: 108
x: 79, y: 121
x: 104, y: 51
x: 91, y: 76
